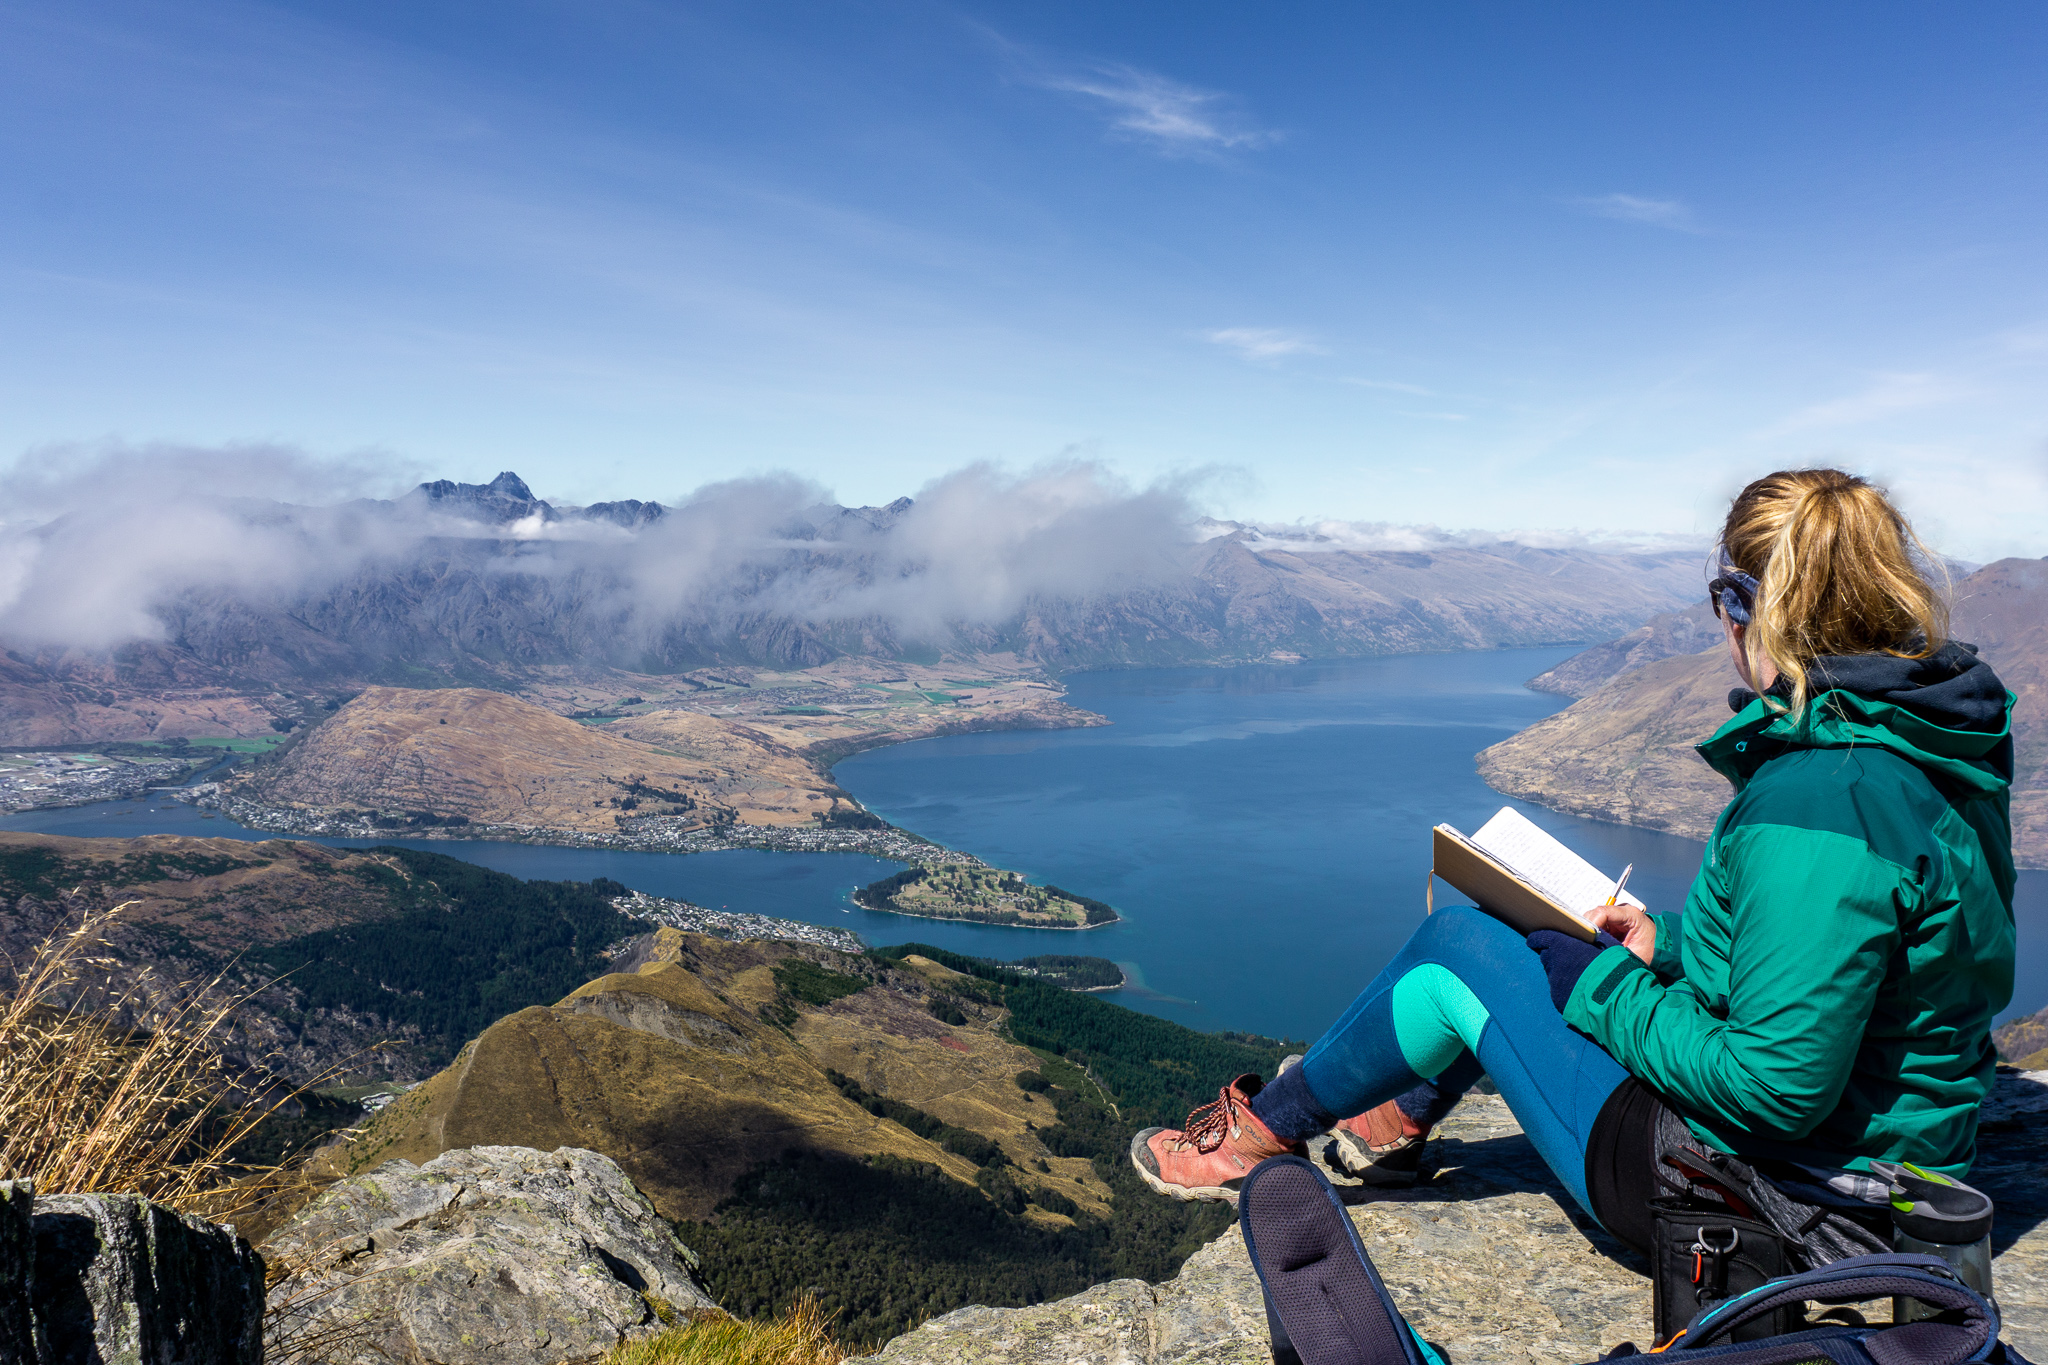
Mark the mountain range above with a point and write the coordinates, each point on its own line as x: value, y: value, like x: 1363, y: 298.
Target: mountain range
x: 486, y: 585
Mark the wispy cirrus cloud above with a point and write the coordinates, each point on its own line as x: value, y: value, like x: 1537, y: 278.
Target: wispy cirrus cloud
x: 1162, y: 113
x: 1262, y: 345
x: 1635, y: 208
x: 1891, y: 395
x: 1389, y: 386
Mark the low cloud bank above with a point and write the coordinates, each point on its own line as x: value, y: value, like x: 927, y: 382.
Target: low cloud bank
x: 1362, y: 537
x: 103, y: 546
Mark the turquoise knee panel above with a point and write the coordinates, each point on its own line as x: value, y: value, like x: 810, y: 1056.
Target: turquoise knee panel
x: 1436, y: 1017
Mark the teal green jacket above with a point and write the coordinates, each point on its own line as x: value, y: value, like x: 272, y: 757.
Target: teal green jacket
x: 1827, y: 995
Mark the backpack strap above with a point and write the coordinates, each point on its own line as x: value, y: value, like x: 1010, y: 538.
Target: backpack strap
x: 1926, y: 1278
x: 1818, y: 1235
x: 1325, y: 1302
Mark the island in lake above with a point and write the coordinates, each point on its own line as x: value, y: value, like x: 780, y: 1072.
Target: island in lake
x: 985, y: 895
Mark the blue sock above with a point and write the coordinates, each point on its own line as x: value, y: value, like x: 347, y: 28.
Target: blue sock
x: 1290, y: 1108
x: 1431, y: 1101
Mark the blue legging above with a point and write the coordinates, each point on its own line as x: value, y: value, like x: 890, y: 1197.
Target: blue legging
x: 1466, y: 984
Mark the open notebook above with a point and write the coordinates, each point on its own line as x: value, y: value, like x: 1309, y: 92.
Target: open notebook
x: 1515, y: 871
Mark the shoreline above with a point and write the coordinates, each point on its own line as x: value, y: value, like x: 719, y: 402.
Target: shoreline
x: 991, y: 923
x: 648, y: 834
x: 995, y: 924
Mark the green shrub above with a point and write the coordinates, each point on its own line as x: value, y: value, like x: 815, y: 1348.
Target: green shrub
x: 815, y: 985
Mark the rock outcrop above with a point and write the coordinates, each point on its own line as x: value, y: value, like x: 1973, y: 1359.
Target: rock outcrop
x: 503, y: 1255
x: 17, y: 1264
x: 113, y: 1277
x: 2024, y: 1042
x: 1489, y: 1258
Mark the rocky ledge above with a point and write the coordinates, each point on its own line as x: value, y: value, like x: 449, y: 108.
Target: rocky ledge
x: 1489, y: 1258
x: 505, y: 1255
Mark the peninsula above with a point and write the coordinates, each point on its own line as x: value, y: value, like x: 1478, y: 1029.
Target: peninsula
x: 985, y: 895
x: 725, y: 758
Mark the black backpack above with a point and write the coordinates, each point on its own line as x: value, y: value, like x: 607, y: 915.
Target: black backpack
x: 1326, y: 1305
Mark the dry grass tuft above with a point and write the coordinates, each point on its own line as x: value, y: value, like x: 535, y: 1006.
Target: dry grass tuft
x: 802, y: 1337
x: 105, y: 1089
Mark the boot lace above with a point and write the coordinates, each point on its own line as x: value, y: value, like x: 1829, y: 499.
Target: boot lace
x: 1209, y: 1124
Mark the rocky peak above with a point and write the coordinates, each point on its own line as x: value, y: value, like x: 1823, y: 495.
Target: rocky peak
x: 505, y: 498
x: 630, y: 513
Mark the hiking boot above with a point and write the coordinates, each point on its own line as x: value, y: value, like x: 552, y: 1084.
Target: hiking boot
x: 1210, y: 1158
x: 1381, y: 1147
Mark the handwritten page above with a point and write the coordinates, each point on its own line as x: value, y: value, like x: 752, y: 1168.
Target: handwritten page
x: 1544, y: 863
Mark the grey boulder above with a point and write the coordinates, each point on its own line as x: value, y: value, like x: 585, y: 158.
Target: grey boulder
x: 487, y: 1254
x: 118, y: 1280
x: 17, y: 1264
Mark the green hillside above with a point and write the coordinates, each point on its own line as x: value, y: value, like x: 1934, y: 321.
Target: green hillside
x: 887, y: 1244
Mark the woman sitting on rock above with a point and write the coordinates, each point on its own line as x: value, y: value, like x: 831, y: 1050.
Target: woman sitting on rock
x: 1827, y: 996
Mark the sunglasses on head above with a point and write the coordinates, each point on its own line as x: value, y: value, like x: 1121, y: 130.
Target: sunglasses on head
x: 1733, y: 595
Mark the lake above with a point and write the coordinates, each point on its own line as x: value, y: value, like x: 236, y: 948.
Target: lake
x: 1264, y: 830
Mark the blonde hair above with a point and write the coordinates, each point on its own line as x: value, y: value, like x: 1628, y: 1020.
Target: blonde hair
x: 1839, y: 571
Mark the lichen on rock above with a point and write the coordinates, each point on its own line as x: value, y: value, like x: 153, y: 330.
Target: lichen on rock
x: 503, y: 1255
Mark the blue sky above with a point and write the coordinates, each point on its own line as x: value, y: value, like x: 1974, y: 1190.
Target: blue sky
x: 1502, y: 266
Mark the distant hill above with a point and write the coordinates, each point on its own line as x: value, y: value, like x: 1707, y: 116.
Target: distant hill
x: 380, y: 962
x: 493, y: 759
x: 485, y: 585
x: 1624, y: 752
x: 2024, y: 1042
x: 1244, y: 598
x: 1666, y: 635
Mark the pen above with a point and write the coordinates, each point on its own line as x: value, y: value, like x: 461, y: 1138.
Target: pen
x: 1619, y: 883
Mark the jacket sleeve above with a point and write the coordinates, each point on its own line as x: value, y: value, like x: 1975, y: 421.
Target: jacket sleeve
x: 1814, y: 919
x: 1667, y: 960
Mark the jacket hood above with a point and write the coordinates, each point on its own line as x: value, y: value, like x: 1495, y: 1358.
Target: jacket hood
x: 1948, y: 713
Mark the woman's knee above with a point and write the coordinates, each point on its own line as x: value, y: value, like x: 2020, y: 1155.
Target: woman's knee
x: 1461, y: 930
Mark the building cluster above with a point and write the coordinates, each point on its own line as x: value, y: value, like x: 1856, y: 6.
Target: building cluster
x: 734, y: 925
x: 35, y: 781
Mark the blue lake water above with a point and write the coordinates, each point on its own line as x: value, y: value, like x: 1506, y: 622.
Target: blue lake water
x: 1264, y: 830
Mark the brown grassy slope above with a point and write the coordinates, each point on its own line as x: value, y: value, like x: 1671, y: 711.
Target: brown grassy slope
x: 673, y: 1072
x: 1625, y: 752
x: 149, y: 692
x: 498, y: 760
x: 223, y: 896
x: 197, y: 904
